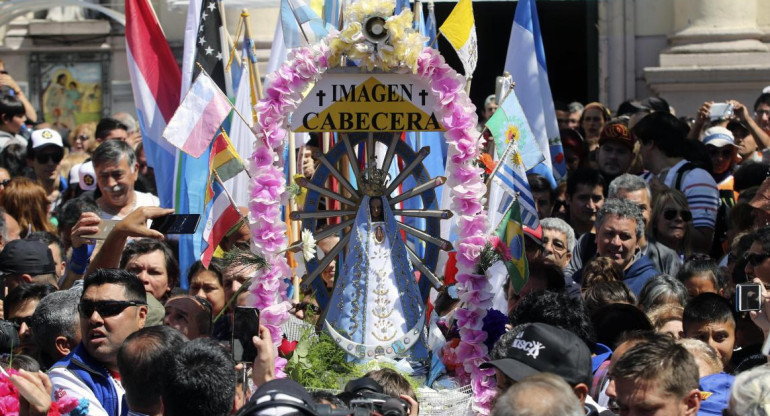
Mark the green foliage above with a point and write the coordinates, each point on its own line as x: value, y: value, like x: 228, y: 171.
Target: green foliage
x: 318, y: 362
x: 488, y: 257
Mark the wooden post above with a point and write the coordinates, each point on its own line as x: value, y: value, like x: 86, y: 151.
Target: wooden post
x: 256, y: 81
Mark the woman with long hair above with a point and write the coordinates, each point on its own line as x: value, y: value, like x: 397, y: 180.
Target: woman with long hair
x: 671, y: 220
x: 25, y: 200
x: 82, y: 139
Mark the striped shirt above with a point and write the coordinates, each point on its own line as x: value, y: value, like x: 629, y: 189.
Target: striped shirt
x: 701, y: 192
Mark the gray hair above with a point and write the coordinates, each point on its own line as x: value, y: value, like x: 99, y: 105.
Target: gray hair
x: 575, y: 106
x: 56, y: 315
x: 558, y: 224
x: 629, y: 183
x: 622, y: 208
x: 751, y: 392
x: 659, y: 289
x: 703, y: 353
x: 541, y: 394
x: 113, y: 151
x: 131, y: 125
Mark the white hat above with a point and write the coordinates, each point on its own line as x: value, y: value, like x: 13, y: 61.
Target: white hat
x: 74, y: 176
x: 87, y: 176
x: 718, y: 137
x: 46, y: 137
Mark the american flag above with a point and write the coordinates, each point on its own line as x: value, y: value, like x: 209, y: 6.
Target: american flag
x: 211, y: 52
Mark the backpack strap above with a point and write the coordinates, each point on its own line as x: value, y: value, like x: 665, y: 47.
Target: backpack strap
x: 688, y: 166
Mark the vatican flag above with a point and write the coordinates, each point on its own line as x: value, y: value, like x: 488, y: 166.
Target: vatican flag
x: 460, y: 30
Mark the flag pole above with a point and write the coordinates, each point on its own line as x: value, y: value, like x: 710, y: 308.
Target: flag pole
x: 256, y: 81
x: 227, y: 193
x: 294, y: 12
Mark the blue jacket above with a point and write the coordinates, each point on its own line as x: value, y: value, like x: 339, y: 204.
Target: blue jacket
x: 96, y: 377
x: 639, y: 273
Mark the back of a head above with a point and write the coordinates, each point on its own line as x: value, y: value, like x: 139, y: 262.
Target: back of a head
x: 751, y: 393
x: 200, y: 380
x: 664, y: 130
x: 705, y: 356
x: 707, y: 307
x: 661, y: 362
x: 10, y: 106
x: 613, y: 320
x: 542, y: 394
x: 393, y: 384
x: 134, y: 288
x: 662, y: 289
x: 601, y: 294
x: 556, y: 309
x: 70, y: 212
x: 139, y: 358
x: 628, y: 183
x: 56, y: 315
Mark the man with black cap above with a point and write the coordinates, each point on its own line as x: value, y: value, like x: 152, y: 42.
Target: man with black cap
x: 541, y: 348
x: 27, y: 261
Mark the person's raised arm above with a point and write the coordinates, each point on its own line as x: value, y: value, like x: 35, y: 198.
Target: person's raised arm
x: 743, y: 115
x: 134, y: 225
x: 702, y: 118
x: 29, y: 110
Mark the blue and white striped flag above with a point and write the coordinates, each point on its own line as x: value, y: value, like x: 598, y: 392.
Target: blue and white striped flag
x: 430, y: 26
x: 401, y: 5
x: 332, y: 13
x: 295, y: 13
x: 525, y: 62
x: 508, y: 183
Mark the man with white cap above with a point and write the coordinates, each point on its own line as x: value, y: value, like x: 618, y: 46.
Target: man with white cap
x: 721, y: 147
x: 45, y: 152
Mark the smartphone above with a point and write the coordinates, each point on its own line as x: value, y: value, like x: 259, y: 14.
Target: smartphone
x: 720, y: 111
x: 748, y: 297
x: 245, y: 327
x: 176, y: 223
x: 105, y: 228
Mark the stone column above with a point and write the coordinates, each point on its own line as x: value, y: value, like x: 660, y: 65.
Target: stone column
x: 715, y: 53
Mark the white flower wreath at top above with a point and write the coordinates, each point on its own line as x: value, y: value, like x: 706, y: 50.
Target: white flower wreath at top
x: 375, y: 38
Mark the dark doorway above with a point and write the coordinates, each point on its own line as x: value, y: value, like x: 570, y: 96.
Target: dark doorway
x: 569, y: 35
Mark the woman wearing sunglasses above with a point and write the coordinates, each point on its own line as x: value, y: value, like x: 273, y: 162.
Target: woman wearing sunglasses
x: 671, y: 221
x: 82, y: 139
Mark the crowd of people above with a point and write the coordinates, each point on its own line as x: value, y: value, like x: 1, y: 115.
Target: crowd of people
x: 629, y: 307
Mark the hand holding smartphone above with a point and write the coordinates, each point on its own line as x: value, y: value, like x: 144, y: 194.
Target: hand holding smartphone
x: 245, y: 327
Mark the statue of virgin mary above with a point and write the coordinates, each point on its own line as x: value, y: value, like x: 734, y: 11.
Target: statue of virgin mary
x: 376, y: 309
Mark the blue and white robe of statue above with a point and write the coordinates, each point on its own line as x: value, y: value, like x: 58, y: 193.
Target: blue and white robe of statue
x: 376, y: 308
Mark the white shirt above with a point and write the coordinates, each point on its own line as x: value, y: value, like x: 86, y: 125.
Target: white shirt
x: 141, y: 199
x: 65, y: 382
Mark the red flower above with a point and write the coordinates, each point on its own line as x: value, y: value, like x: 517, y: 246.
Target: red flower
x: 286, y: 348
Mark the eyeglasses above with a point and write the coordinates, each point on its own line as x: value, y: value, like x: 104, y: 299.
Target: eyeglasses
x: 82, y: 137
x: 5, y: 182
x: 755, y: 259
x: 762, y: 113
x: 43, y: 158
x: 670, y: 214
x: 106, y: 308
x: 21, y: 320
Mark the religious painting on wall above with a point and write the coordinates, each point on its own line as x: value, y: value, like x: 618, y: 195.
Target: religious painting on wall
x: 70, y: 89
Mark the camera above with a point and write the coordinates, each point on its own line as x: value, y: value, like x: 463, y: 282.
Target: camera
x: 366, y: 398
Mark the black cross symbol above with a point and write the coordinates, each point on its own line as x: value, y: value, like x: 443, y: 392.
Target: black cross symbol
x: 321, y: 94
x: 423, y: 94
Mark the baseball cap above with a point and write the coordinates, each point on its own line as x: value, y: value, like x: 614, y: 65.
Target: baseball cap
x: 87, y: 176
x: 31, y: 257
x: 544, y: 348
x: 46, y: 137
x: 718, y: 136
x: 74, y: 178
x: 280, y: 397
x: 618, y: 133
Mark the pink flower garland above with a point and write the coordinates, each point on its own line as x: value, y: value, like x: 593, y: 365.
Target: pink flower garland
x: 458, y: 116
x: 268, y: 186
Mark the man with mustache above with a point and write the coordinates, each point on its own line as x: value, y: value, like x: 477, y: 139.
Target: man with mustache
x: 112, y: 307
x: 116, y: 173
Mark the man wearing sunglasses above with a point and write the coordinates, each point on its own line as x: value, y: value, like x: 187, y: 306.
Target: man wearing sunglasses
x: 112, y: 307
x: 45, y: 152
